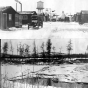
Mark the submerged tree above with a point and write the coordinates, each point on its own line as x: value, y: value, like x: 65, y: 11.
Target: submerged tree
x: 5, y: 48
x: 69, y: 47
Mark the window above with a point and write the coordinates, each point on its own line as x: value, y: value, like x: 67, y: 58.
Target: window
x: 10, y: 17
x: 25, y: 17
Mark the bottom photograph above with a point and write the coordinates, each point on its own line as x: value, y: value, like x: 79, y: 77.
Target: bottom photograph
x: 44, y: 63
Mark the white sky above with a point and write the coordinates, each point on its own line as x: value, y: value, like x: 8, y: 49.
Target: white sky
x: 68, y: 6
x: 77, y: 44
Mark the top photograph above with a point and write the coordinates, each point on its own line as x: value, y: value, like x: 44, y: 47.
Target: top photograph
x: 43, y: 19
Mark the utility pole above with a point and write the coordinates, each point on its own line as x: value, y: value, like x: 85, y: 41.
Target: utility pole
x: 50, y: 14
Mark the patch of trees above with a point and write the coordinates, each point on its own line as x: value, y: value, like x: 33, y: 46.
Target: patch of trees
x: 47, y: 55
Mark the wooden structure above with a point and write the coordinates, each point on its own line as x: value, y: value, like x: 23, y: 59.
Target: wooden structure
x: 40, y: 7
x: 84, y: 17
x: 78, y: 17
x: 9, y: 18
x: 26, y: 16
x: 81, y: 17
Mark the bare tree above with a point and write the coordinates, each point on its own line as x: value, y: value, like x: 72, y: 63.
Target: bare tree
x: 69, y: 47
x: 26, y: 50
x: 17, y: 49
x: 21, y: 49
x: 43, y: 51
x: 37, y: 50
x: 53, y: 50
x: 48, y: 48
x: 34, y: 49
x: 5, y: 48
x: 11, y: 48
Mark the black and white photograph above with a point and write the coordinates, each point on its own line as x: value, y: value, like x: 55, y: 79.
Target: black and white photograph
x: 44, y: 43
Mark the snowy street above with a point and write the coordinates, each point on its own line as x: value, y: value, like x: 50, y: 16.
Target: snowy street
x: 50, y: 29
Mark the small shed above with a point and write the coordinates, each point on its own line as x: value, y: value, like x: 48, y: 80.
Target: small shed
x: 84, y: 16
x: 78, y: 17
x: 8, y: 17
x: 26, y: 16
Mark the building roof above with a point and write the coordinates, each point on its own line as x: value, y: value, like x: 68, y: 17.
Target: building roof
x: 27, y: 12
x: 40, y: 2
x: 84, y: 11
x: 4, y: 8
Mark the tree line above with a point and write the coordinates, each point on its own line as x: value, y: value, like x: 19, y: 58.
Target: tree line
x: 46, y: 54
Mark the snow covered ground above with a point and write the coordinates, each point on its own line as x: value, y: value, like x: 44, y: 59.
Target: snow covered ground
x: 69, y: 73
x: 59, y: 29
x: 65, y: 72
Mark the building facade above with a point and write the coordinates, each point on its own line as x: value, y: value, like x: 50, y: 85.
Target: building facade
x: 26, y: 16
x: 8, y: 17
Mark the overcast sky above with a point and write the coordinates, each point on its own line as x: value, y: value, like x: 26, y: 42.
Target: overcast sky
x: 78, y: 45
x: 68, y: 6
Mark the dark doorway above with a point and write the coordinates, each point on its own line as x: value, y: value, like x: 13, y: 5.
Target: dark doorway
x: 4, y: 20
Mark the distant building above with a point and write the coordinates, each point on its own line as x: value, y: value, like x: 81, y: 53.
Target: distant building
x: 78, y: 17
x: 26, y: 16
x: 84, y: 16
x: 9, y: 17
x: 81, y: 17
x: 71, y: 18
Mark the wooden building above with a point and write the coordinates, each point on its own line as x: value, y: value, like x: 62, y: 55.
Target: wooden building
x: 84, y: 16
x: 81, y: 17
x: 9, y: 18
x: 26, y: 16
x: 78, y: 17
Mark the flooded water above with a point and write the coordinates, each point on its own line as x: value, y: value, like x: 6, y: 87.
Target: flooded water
x: 48, y: 82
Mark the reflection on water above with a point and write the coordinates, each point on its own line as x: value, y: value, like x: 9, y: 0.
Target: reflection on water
x: 48, y: 82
